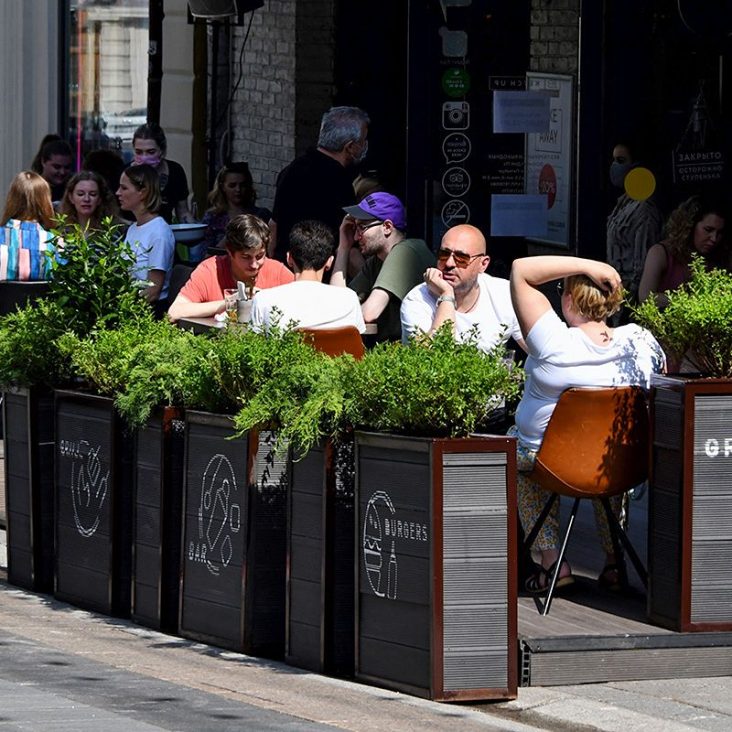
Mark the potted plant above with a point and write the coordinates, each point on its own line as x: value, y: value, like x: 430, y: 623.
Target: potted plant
x: 689, y: 547
x: 435, y: 520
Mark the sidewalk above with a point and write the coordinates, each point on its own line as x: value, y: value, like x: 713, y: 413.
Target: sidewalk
x: 78, y: 670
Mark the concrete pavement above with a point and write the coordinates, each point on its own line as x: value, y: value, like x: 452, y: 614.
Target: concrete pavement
x: 65, y: 668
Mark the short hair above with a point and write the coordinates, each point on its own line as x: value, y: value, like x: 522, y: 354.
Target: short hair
x: 29, y: 199
x: 217, y: 198
x: 590, y: 301
x: 36, y: 164
x: 246, y: 231
x: 56, y: 147
x: 311, y: 243
x: 146, y: 178
x: 341, y: 125
x: 107, y: 202
x: 151, y: 131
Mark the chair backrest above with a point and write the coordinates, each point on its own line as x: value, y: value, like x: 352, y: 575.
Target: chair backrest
x: 336, y: 341
x: 596, y: 443
x: 15, y: 294
x: 179, y: 275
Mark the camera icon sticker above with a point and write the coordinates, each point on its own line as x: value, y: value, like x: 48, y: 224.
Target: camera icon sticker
x: 455, y: 115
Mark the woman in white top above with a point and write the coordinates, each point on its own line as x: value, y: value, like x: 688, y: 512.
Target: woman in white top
x: 584, y: 351
x: 150, y: 237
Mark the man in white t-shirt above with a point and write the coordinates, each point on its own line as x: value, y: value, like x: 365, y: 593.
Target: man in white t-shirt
x: 457, y: 290
x: 307, y: 302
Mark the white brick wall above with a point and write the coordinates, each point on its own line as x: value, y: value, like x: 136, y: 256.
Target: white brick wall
x: 555, y: 36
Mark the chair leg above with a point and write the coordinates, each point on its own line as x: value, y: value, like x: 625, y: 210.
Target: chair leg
x: 560, y: 558
x: 531, y: 538
x: 617, y: 533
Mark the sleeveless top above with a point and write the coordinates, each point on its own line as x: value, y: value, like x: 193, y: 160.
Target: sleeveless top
x: 676, y: 272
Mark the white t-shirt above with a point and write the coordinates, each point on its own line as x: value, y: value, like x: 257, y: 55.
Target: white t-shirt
x: 309, y: 305
x: 154, y: 245
x: 561, y: 357
x: 493, y: 313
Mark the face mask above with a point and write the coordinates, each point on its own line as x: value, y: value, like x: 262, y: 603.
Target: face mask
x: 362, y: 155
x: 152, y: 160
x: 618, y: 171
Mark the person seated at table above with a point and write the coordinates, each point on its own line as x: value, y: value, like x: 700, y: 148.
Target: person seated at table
x: 583, y: 351
x: 459, y: 291
x: 87, y: 201
x: 245, y: 261
x: 307, y: 302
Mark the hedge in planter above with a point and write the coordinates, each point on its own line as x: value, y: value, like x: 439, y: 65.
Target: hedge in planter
x: 690, y: 501
x: 436, y: 524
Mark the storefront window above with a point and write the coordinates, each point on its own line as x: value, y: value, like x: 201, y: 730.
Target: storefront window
x: 107, y: 74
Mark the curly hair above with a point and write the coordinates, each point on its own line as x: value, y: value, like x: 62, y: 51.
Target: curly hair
x: 107, y: 202
x: 682, y: 221
x: 217, y: 198
x: 589, y: 301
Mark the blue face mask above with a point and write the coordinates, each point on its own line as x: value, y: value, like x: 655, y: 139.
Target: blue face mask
x: 618, y: 171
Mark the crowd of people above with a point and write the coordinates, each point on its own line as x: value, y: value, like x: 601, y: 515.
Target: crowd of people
x: 332, y: 254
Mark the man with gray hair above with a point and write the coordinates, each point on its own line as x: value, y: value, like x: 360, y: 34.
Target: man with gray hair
x: 318, y: 184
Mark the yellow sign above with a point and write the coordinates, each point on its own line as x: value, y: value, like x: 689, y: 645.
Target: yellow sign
x: 640, y: 184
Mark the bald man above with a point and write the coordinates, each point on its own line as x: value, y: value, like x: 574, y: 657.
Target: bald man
x: 459, y: 291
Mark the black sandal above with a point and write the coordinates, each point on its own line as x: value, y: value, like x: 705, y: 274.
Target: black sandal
x: 538, y: 582
x: 610, y: 578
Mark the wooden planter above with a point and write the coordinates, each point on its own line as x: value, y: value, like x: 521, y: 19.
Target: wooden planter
x: 320, y: 571
x: 94, y: 492
x: 29, y: 453
x: 436, y: 608
x: 158, y: 510
x: 690, y: 504
x: 234, y: 531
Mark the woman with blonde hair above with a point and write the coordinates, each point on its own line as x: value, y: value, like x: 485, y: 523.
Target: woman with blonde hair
x: 581, y: 351
x: 149, y: 236
x: 87, y: 200
x: 25, y: 235
x: 695, y: 227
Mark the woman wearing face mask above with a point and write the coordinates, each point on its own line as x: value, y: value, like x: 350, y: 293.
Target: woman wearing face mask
x: 149, y: 145
x: 87, y: 201
x: 149, y: 236
x: 233, y: 194
x: 633, y: 226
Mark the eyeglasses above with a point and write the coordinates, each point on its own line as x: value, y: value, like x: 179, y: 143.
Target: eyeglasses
x: 362, y: 227
x: 461, y: 259
x: 560, y: 287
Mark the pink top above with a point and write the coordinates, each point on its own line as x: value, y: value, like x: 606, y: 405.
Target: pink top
x: 675, y: 274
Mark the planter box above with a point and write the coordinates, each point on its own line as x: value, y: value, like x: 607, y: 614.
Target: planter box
x: 690, y: 504
x: 29, y: 452
x: 233, y: 577
x: 436, y: 609
x: 94, y: 492
x: 320, y: 574
x: 158, y: 510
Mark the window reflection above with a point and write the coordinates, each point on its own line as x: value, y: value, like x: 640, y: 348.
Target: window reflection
x: 108, y: 67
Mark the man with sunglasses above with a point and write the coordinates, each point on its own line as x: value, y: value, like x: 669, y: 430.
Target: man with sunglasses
x: 459, y: 291
x: 393, y: 264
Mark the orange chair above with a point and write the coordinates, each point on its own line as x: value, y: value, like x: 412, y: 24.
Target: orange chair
x: 336, y: 341
x: 595, y: 446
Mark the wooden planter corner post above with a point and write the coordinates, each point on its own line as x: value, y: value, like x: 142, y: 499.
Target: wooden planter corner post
x: 158, y: 520
x: 690, y: 504
x: 232, y: 590
x: 94, y: 477
x: 436, y: 598
x: 29, y: 454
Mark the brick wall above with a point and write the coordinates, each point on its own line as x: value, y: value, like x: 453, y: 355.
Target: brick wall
x: 554, y: 36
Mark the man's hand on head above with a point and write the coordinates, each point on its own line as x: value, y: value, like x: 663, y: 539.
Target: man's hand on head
x: 436, y: 284
x: 347, y: 232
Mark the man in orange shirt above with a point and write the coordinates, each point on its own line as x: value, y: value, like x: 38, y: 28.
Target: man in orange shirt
x: 247, y: 239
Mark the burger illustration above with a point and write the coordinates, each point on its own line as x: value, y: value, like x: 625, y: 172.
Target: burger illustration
x: 373, y: 550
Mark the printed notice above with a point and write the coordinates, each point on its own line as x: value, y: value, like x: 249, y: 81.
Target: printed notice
x: 518, y: 215
x: 521, y: 111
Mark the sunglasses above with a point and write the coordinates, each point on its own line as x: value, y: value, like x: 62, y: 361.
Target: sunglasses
x: 461, y: 259
x: 362, y: 227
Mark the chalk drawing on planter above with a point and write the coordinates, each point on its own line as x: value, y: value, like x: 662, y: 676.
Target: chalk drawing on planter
x: 88, y: 485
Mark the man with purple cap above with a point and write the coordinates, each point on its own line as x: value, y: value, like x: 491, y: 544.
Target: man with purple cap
x: 393, y: 266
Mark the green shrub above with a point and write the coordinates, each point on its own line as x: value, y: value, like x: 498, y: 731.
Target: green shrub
x: 697, y: 320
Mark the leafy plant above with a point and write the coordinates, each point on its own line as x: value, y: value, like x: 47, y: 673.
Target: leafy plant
x: 697, y: 320
x: 434, y: 386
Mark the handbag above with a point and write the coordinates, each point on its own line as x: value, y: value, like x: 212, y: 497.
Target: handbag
x: 23, y: 247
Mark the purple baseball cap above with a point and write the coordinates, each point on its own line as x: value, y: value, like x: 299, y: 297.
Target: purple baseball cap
x: 380, y: 206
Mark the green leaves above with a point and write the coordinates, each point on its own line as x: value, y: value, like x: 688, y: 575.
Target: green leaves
x: 697, y: 320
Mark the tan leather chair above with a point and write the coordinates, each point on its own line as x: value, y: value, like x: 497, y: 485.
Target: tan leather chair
x: 336, y: 341
x: 595, y: 446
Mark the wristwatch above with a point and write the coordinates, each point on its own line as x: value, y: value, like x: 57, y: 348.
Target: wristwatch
x: 446, y: 298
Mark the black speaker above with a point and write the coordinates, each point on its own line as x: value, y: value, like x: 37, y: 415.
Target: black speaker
x: 221, y: 9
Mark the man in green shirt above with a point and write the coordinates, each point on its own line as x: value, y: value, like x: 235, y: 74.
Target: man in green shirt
x: 393, y: 266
